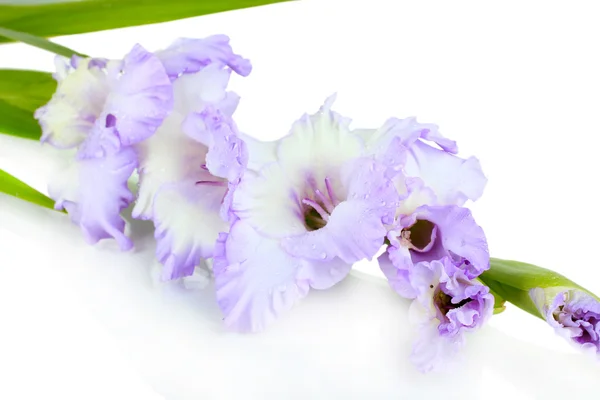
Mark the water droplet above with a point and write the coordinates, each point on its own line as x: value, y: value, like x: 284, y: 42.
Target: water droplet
x: 314, y: 246
x: 323, y: 255
x: 383, y: 203
x: 366, y: 196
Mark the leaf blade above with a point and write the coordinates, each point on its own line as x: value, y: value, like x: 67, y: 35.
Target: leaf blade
x: 21, y: 93
x: 14, y: 187
x: 38, y: 42
x: 71, y: 17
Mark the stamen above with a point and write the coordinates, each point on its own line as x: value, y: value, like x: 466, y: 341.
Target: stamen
x: 330, y: 192
x: 326, y: 202
x: 210, y: 183
x: 317, y: 208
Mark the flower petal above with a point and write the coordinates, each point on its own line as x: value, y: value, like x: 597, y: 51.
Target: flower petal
x: 70, y: 114
x: 94, y: 191
x: 460, y: 235
x: 430, y: 350
x: 453, y: 179
x: 141, y: 96
x: 227, y: 154
x: 168, y: 156
x: 256, y: 280
x: 259, y: 153
x: 191, y: 55
x: 395, y: 264
x: 269, y: 202
x: 186, y: 216
x: 408, y: 130
x: 209, y: 86
x: 321, y: 143
x: 353, y: 233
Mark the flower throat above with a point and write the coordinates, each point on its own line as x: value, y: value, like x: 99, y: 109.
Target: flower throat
x: 316, y: 210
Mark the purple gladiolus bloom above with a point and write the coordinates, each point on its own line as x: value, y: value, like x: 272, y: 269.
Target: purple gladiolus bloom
x: 317, y: 204
x: 189, y: 167
x: 573, y: 313
x: 102, y: 108
x: 448, y: 305
x: 430, y: 222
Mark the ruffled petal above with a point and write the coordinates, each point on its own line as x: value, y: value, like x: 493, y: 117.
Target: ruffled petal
x: 453, y: 179
x: 255, y: 279
x: 186, y: 216
x: 320, y: 143
x: 414, y: 195
x: 408, y: 130
x: 395, y: 264
x: 207, y: 87
x: 141, y: 96
x: 70, y: 114
x: 430, y: 350
x: 186, y: 56
x: 460, y: 235
x: 94, y: 191
x: 227, y: 154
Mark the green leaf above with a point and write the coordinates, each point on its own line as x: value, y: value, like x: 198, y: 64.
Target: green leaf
x: 21, y: 93
x: 14, y: 187
x: 55, y: 18
x: 39, y: 42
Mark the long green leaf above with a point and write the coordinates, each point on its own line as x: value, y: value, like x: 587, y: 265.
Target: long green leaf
x: 14, y: 187
x: 62, y: 17
x: 37, y: 41
x: 21, y: 93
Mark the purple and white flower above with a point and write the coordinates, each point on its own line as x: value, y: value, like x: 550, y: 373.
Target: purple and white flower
x: 102, y: 108
x: 447, y: 306
x: 573, y: 313
x: 317, y: 204
x: 196, y: 155
x: 430, y: 222
x: 431, y: 233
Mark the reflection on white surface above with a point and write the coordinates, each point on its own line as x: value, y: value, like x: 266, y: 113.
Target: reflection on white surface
x: 352, y: 341
x: 516, y: 87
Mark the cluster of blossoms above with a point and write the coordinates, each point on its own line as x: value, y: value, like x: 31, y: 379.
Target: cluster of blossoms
x: 277, y: 218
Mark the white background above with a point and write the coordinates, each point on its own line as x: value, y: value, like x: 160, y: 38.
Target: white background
x: 515, y: 83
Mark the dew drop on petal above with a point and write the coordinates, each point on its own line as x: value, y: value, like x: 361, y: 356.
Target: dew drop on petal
x: 323, y: 255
